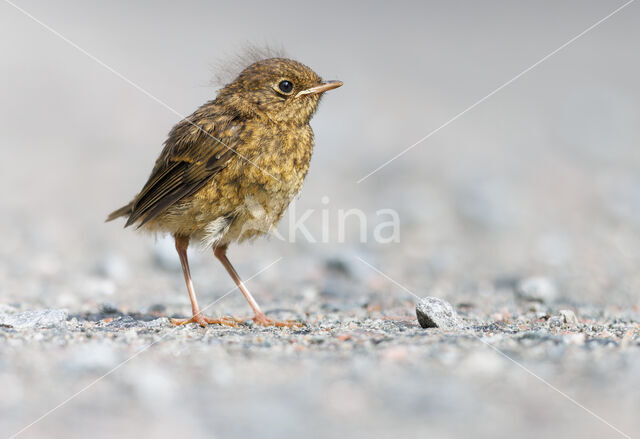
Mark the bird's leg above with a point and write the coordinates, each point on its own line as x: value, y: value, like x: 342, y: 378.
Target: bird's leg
x: 181, y: 246
x: 260, y: 318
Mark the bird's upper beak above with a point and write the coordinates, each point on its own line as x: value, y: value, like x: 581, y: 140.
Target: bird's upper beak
x: 321, y: 88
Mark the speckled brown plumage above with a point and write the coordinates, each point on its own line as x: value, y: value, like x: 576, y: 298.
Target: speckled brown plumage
x: 228, y: 172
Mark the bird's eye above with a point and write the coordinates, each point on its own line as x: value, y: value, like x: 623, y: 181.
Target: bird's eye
x: 285, y: 86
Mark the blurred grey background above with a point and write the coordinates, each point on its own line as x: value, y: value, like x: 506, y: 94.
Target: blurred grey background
x: 541, y: 179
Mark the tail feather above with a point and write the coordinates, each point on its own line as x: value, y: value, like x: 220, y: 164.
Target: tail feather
x: 123, y: 211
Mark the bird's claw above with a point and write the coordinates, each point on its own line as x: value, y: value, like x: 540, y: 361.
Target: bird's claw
x: 204, y: 321
x: 263, y: 320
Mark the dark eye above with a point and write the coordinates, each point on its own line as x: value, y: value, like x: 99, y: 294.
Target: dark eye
x: 285, y: 86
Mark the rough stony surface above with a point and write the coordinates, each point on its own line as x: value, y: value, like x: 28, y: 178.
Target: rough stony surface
x: 354, y: 363
x: 34, y: 319
x: 437, y: 313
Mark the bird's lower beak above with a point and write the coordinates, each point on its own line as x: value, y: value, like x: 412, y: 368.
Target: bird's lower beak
x: 325, y: 86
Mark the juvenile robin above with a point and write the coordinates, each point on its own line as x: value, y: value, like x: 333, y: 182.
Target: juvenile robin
x: 228, y: 171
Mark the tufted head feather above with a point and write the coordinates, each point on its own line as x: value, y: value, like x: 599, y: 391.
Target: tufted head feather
x: 279, y: 89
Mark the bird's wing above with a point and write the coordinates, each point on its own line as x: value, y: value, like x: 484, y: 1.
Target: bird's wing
x: 192, y: 155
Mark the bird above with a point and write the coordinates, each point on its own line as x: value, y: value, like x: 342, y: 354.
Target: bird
x: 228, y: 171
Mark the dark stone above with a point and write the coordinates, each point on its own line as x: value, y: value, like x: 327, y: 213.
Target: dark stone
x: 437, y: 313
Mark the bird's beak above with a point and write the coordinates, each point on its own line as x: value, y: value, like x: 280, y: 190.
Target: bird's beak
x: 325, y: 86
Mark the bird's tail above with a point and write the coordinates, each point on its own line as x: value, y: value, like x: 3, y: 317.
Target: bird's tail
x: 123, y: 211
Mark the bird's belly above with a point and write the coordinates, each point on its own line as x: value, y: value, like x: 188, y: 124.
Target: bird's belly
x: 258, y: 211
x: 252, y: 199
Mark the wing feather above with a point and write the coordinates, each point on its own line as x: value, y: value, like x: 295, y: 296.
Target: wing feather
x: 193, y: 154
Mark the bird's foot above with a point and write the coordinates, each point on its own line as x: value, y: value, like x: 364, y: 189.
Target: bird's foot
x: 204, y: 321
x: 263, y: 320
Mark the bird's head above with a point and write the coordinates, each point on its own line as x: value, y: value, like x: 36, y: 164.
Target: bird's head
x: 283, y: 90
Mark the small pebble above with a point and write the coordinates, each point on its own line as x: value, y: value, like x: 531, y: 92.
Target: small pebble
x: 537, y: 289
x: 158, y: 323
x: 124, y: 322
x: 437, y: 313
x: 555, y: 321
x: 569, y: 317
x: 45, y: 318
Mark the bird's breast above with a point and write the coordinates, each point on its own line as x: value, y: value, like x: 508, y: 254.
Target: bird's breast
x: 254, y: 190
x: 278, y: 160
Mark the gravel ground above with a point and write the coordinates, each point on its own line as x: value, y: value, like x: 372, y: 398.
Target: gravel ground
x: 360, y: 366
